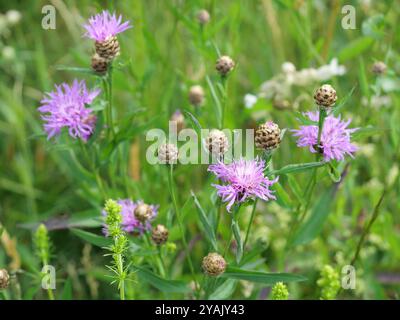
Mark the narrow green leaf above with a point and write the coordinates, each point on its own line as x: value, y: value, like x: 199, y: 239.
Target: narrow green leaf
x: 238, y: 238
x: 282, y: 198
x: 355, y: 48
x: 312, y: 227
x: 195, y: 123
x: 99, y: 241
x: 163, y: 285
x: 261, y: 277
x: 343, y: 102
x: 225, y: 290
x: 77, y: 70
x: 215, y: 99
x: 208, y: 229
x: 296, y: 168
x: 67, y: 290
x: 333, y: 172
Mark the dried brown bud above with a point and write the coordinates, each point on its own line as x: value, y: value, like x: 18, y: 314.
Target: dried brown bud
x: 159, y: 234
x: 108, y: 49
x: 179, y: 120
x: 217, y: 142
x: 203, y: 17
x: 268, y: 136
x: 4, y: 279
x: 224, y: 65
x: 379, y: 67
x: 196, y: 95
x: 214, y: 264
x: 325, y: 96
x: 99, y: 64
x: 168, y: 153
x: 143, y: 212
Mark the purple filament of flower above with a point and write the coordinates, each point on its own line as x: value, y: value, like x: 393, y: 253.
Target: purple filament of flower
x: 244, y: 179
x: 104, y: 25
x: 66, y: 107
x: 335, y: 137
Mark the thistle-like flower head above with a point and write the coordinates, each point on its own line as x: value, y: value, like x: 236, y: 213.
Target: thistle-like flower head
x: 104, y: 25
x: 244, y: 180
x: 66, y: 107
x: 335, y: 137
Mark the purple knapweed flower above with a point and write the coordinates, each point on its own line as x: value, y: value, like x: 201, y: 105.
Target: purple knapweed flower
x: 244, y: 180
x: 65, y: 107
x: 129, y: 222
x: 105, y: 25
x: 335, y: 137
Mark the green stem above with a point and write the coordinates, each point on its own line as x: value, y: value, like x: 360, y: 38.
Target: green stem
x: 224, y: 94
x: 121, y: 275
x: 109, y: 100
x: 93, y: 169
x: 49, y: 291
x: 180, y: 223
x: 253, y: 211
x: 322, y: 116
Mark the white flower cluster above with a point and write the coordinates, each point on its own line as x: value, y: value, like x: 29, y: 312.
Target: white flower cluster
x: 280, y: 86
x: 8, y: 19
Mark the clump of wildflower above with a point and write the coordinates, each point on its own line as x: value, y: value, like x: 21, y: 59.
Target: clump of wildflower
x: 66, y: 107
x: 244, y: 180
x: 214, y: 264
x: 159, y: 234
x: 4, y: 279
x: 127, y: 218
x: 168, y: 153
x: 329, y: 283
x: 103, y: 28
x: 279, y: 291
x: 268, y: 136
x: 224, y: 65
x: 217, y: 143
x: 335, y: 140
x: 196, y: 95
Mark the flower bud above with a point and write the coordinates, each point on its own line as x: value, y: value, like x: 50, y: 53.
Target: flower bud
x: 179, y: 120
x: 203, y: 17
x: 329, y: 283
x: 224, y: 65
x: 159, y: 234
x: 214, y: 264
x: 143, y: 212
x: 379, y: 68
x: 196, y: 95
x: 279, y: 291
x: 217, y: 142
x: 4, y: 279
x: 325, y: 96
x: 99, y: 64
x: 108, y: 49
x: 268, y: 136
x: 168, y: 153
